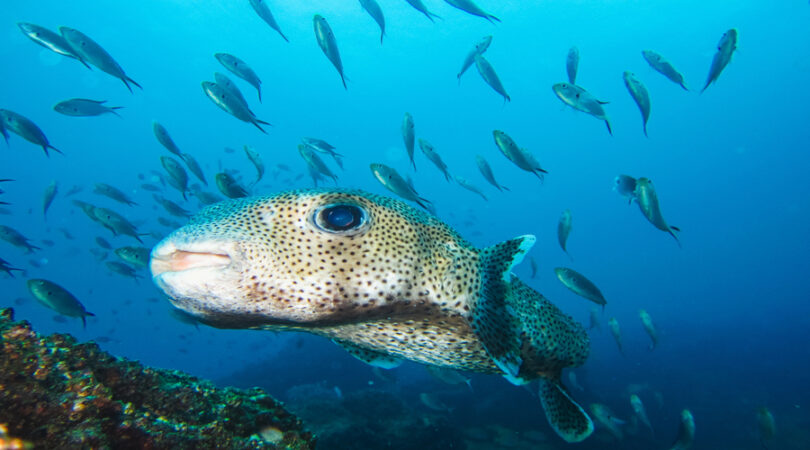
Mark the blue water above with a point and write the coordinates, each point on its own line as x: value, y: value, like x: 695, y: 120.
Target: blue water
x: 729, y: 166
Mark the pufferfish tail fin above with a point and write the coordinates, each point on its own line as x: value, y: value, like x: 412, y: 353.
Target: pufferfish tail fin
x: 494, y: 322
x: 564, y: 415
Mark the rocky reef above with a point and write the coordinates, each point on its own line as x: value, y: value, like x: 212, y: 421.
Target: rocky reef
x: 57, y: 393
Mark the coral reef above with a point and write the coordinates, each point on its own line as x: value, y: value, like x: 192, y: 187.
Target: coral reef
x: 55, y: 393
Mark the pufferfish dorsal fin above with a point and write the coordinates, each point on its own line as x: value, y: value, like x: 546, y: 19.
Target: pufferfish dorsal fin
x: 370, y: 357
x: 494, y: 322
x: 564, y: 415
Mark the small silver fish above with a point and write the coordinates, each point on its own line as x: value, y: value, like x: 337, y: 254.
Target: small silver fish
x: 640, y: 96
x: 616, y: 331
x: 194, y: 167
x: 488, y: 74
x: 16, y: 239
x: 256, y: 160
x: 664, y: 67
x: 572, y: 64
x: 165, y: 140
x: 232, y: 104
x: 641, y: 413
x: 419, y: 6
x: 519, y: 156
x: 479, y: 49
x: 178, y: 177
x: 91, y: 52
x: 261, y: 8
x: 315, y: 161
x: 578, y: 284
x: 463, y: 182
x: 48, y: 196
x: 449, y: 376
x: 649, y: 327
x: 581, y: 100
x: 241, y: 69
x: 648, y: 204
x: 50, y: 40
x: 435, y: 158
x: 171, y: 207
x: 26, y: 129
x: 408, y: 136
x: 767, y: 425
x: 486, y: 171
x: 686, y: 432
x: 58, y: 299
x: 113, y: 193
x: 607, y: 419
x: 229, y: 187
x: 328, y: 44
x: 376, y: 13
x: 725, y: 48
x: 394, y: 182
x: 232, y: 89
x: 470, y: 7
x: 83, y: 107
x: 564, y: 229
x: 123, y: 270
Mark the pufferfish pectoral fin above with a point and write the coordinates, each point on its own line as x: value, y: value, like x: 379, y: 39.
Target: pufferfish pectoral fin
x: 494, y: 322
x: 370, y: 357
x: 564, y: 415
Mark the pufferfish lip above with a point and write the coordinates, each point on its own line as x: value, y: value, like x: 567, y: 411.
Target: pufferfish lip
x: 169, y: 258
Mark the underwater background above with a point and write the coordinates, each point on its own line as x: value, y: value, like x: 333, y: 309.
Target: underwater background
x: 730, y: 168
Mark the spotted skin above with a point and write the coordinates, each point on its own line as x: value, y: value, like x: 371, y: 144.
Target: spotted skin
x: 403, y: 285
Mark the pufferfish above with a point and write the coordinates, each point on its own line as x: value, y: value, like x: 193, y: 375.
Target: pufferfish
x: 383, y: 280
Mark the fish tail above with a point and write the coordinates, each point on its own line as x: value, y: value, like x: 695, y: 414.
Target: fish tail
x: 343, y: 79
x: 684, y: 86
x: 126, y: 83
x: 282, y: 35
x: 503, y: 188
x: 264, y: 123
x: 84, y: 63
x: 255, y: 122
x: 492, y: 19
x: 645, y: 131
x: 134, y: 82
x: 673, y: 232
x: 607, y: 122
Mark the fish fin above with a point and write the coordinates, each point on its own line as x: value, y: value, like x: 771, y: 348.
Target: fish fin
x: 684, y: 86
x: 565, y: 416
x: 673, y: 231
x: 601, y: 102
x: 260, y: 94
x: 282, y: 35
x: 607, y: 122
x: 645, y: 131
x: 126, y: 83
x: 493, y: 321
x: 255, y: 123
x: 504, y: 188
x: 84, y: 63
x: 133, y: 82
x: 264, y: 123
x: 370, y: 357
x: 492, y: 19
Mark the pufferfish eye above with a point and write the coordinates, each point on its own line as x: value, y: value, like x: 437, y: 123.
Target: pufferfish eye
x: 341, y: 218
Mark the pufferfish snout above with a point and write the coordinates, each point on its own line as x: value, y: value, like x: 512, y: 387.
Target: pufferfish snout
x: 287, y: 260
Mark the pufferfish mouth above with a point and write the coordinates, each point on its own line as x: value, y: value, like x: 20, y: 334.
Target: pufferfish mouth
x: 168, y: 258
